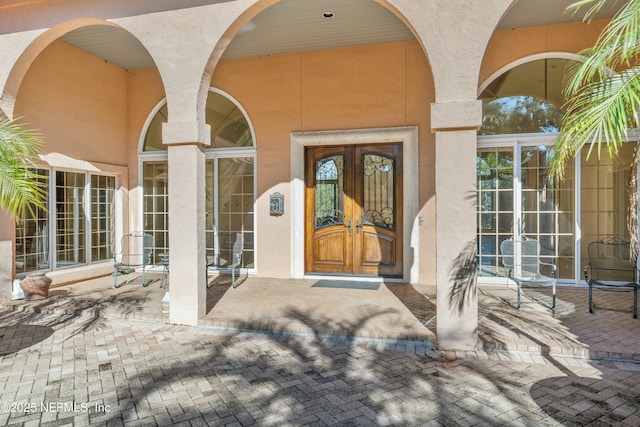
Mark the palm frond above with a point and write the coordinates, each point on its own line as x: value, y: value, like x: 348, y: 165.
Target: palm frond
x: 596, y: 5
x: 603, y: 95
x: 600, y: 114
x: 21, y: 187
x: 618, y: 43
x: 616, y: 48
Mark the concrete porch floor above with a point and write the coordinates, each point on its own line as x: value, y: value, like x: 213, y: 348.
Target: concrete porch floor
x: 368, y: 310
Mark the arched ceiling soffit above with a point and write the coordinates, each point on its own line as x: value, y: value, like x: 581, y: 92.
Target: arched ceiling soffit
x: 104, y: 39
x: 271, y: 27
x: 534, y: 13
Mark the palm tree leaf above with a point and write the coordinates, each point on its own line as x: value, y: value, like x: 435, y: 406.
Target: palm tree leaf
x: 616, y: 48
x: 603, y: 96
x: 600, y: 114
x: 21, y: 186
x: 591, y: 11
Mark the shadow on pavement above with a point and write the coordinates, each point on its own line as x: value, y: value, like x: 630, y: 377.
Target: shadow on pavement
x: 217, y: 286
x: 278, y: 378
x: 575, y: 400
x: 417, y: 303
x: 571, y: 399
x: 300, y: 380
x: 88, y: 309
x: 16, y: 337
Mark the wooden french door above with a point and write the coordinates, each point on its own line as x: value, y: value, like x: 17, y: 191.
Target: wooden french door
x: 353, y: 208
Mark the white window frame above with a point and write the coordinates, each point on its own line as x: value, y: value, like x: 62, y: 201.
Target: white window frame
x: 517, y: 142
x: 85, y: 206
x: 210, y: 154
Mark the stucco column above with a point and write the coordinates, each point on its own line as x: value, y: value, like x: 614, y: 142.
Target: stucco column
x: 457, y: 303
x: 187, y: 233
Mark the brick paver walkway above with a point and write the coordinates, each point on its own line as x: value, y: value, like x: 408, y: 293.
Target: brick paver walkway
x: 336, y: 355
x: 79, y: 370
x: 389, y: 311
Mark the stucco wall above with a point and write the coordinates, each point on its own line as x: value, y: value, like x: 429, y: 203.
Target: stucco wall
x: 370, y: 86
x: 78, y: 102
x: 506, y: 46
x: 144, y: 92
x: 79, y: 105
x: 93, y: 112
x: 420, y: 92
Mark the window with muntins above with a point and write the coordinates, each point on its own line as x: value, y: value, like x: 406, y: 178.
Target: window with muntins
x: 229, y: 183
x: 76, y: 228
x: 516, y: 195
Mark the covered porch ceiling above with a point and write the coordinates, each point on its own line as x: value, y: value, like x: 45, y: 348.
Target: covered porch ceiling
x: 304, y: 25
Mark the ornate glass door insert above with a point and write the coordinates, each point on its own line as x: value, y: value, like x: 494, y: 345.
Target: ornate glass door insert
x: 329, y: 191
x: 378, y: 207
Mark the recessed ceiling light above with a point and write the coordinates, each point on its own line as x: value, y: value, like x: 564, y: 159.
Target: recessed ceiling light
x: 328, y: 15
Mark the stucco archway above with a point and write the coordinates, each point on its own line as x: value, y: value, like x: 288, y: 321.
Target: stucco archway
x: 20, y: 56
x: 79, y: 103
x: 281, y: 181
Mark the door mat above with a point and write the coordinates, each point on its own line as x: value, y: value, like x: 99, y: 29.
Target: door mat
x: 346, y: 284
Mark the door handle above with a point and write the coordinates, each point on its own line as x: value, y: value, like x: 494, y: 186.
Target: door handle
x: 358, y: 225
x: 349, y: 226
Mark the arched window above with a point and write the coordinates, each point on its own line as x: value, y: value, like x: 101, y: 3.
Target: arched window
x: 153, y: 137
x: 229, y: 125
x: 525, y: 99
x: 229, y: 181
